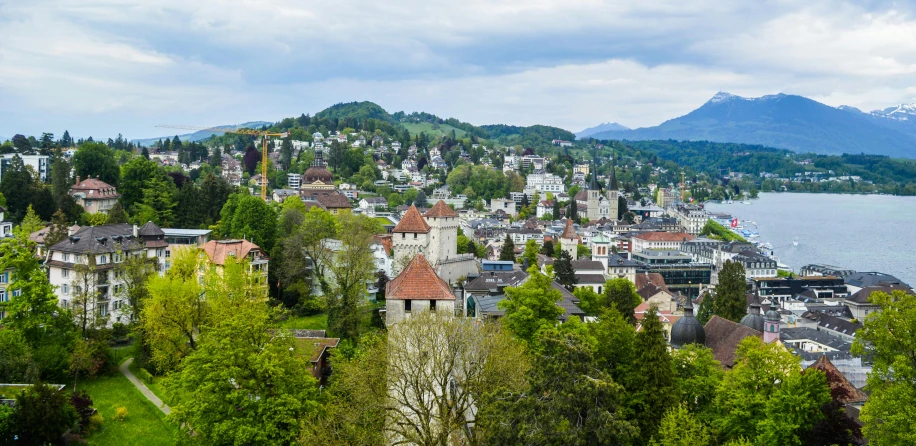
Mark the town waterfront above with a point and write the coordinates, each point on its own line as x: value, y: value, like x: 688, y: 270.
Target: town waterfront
x: 860, y: 232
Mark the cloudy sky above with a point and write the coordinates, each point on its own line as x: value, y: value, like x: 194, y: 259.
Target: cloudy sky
x: 100, y: 67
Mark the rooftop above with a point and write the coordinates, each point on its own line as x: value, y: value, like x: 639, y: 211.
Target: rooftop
x: 419, y: 281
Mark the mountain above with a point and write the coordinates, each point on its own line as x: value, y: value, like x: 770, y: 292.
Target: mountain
x: 601, y: 128
x: 788, y: 122
x: 204, y: 134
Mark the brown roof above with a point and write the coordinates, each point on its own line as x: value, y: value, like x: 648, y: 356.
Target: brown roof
x: 569, y: 231
x: 218, y: 250
x: 419, y: 281
x: 329, y: 199
x: 664, y: 236
x: 840, y: 388
x: 862, y: 295
x: 412, y: 222
x: 582, y: 195
x: 97, y: 187
x: 644, y: 279
x: 723, y: 336
x: 440, y: 210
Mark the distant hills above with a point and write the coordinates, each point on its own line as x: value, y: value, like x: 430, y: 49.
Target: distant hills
x: 789, y: 122
x: 202, y: 134
x: 601, y: 128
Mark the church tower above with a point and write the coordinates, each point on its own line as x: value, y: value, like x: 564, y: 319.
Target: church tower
x: 771, y: 324
x: 613, y: 193
x: 594, y: 197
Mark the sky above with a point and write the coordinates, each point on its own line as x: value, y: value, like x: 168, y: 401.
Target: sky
x: 104, y: 67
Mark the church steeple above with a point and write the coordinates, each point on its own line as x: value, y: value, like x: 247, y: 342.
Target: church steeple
x: 612, y: 179
x: 319, y: 158
x: 593, y: 184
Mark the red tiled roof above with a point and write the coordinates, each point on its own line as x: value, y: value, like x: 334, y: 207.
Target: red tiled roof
x: 440, y: 210
x: 644, y: 279
x: 840, y: 387
x: 569, y: 231
x: 412, y: 222
x: 218, y: 250
x: 419, y: 281
x: 664, y: 236
x: 100, y: 188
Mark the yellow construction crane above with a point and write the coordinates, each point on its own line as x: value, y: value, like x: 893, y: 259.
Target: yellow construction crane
x: 263, y: 134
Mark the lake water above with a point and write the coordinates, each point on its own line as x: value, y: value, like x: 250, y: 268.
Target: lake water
x: 859, y: 232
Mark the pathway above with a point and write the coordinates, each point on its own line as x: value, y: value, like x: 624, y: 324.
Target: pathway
x: 125, y: 369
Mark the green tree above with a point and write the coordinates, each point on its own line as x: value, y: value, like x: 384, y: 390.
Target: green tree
x: 60, y: 178
x: 42, y: 415
x: 531, y: 306
x: 256, y: 221
x: 652, y: 388
x: 17, y: 187
x: 704, y: 313
x: 353, y: 266
x: 698, y: 377
x: 135, y: 176
x: 96, y: 160
x: 565, y: 273
x: 679, y: 427
x: 16, y: 364
x: 889, y: 336
x: 531, y: 252
x: 116, y: 214
x: 158, y: 203
x: 30, y: 223
x: 507, y: 253
x: 619, y: 293
x: 246, y: 382
x: 570, y: 401
x: 547, y: 249
x: 214, y: 191
x: 730, y: 301
x: 556, y: 209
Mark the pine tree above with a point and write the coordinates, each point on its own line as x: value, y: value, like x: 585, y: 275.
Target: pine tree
x: 508, y: 251
x: 145, y: 153
x: 565, y: 274
x: 653, y: 380
x: 730, y: 300
x: 556, y: 209
x: 59, y: 229
x: 547, y: 249
x: 116, y: 214
x: 573, y: 211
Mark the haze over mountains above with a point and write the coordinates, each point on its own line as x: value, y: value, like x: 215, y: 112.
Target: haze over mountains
x: 203, y: 134
x: 789, y: 122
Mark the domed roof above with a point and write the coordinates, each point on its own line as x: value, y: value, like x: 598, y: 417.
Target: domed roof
x: 753, y: 319
x: 773, y: 315
x: 687, y: 330
x: 318, y: 173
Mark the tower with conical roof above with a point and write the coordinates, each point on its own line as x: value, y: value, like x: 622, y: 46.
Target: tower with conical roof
x: 770, y: 323
x: 409, y: 238
x: 569, y: 240
x: 612, y: 192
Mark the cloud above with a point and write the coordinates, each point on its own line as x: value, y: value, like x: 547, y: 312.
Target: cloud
x: 106, y: 66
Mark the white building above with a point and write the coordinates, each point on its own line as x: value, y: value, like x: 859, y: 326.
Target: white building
x: 546, y: 182
x: 39, y: 163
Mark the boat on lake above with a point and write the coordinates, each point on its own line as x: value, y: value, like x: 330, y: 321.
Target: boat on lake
x: 795, y: 241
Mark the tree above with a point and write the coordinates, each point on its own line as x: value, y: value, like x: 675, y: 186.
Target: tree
x: 572, y: 211
x: 420, y: 201
x: 698, y: 377
x: 766, y: 397
x: 18, y: 188
x: 556, y: 209
x: 566, y: 274
x: 116, y: 214
x: 246, y: 382
x: 507, y: 253
x: 652, y: 386
x: 214, y: 191
x: 30, y: 223
x: 704, y: 313
x: 135, y: 176
x: 570, y: 401
x: 730, y: 301
x: 135, y: 271
x: 531, y: 306
x: 531, y: 253
x: 15, y: 358
x: 461, y: 365
x: 353, y: 266
x: 60, y: 178
x: 888, y: 336
x: 66, y: 140
x: 679, y: 427
x: 86, y: 294
x: 42, y: 415
x: 96, y: 160
x: 547, y: 249
x: 33, y: 311
x: 158, y: 203
x: 174, y: 311
x: 618, y: 293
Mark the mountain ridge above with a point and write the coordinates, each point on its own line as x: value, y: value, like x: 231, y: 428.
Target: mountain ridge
x: 203, y: 134
x: 600, y: 128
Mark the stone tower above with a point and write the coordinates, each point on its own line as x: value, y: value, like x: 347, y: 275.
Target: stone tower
x: 569, y: 240
x: 409, y: 238
x: 613, y: 193
x: 594, y: 197
x: 443, y: 233
x: 771, y: 325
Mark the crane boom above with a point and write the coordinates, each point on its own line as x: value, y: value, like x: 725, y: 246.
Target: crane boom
x: 263, y: 134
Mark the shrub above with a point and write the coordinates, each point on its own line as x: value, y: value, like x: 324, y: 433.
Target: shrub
x: 145, y: 375
x: 120, y: 413
x: 83, y: 405
x: 43, y: 414
x: 95, y: 422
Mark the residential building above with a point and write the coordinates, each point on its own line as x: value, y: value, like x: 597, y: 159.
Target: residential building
x: 6, y: 227
x: 544, y: 182
x: 39, y: 163
x: 691, y: 217
x: 659, y: 240
x: 374, y: 203
x: 507, y: 206
x: 219, y: 251
x: 860, y: 306
x: 94, y: 195
x: 779, y: 289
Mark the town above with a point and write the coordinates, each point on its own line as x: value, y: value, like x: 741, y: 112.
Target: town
x: 415, y: 280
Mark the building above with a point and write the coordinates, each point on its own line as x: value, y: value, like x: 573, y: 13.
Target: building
x: 293, y: 180
x: 545, y: 182
x: 659, y: 240
x: 857, y: 281
x: 187, y: 237
x: 94, y: 195
x: 723, y: 337
x: 687, y: 329
x: 318, y: 186
x: 435, y: 235
x: 417, y: 288
x: 569, y: 240
x: 691, y: 217
x: 39, y: 163
x: 507, y: 206
x: 819, y: 269
x: 219, y: 251
x: 859, y: 304
x: 373, y: 203
x: 6, y: 227
x: 779, y: 289
x: 678, y: 269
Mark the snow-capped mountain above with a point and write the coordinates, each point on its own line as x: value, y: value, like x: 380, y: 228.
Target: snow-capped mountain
x: 790, y: 122
x: 902, y: 112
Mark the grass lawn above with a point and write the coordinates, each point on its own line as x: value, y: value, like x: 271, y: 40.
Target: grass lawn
x: 313, y: 322
x: 144, y: 425
x: 156, y: 386
x: 414, y: 128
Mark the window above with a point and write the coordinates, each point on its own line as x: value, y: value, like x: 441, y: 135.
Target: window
x: 168, y: 254
x: 407, y: 306
x: 117, y: 258
x: 3, y: 296
x: 65, y: 273
x: 103, y: 260
x: 414, y: 235
x: 4, y: 278
x: 65, y: 288
x: 102, y: 309
x: 432, y: 305
x: 66, y: 257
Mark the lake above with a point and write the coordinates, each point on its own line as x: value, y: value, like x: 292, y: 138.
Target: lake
x: 860, y: 232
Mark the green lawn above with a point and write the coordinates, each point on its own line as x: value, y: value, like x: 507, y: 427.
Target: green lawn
x: 444, y: 129
x: 313, y: 322
x: 156, y: 386
x: 144, y: 425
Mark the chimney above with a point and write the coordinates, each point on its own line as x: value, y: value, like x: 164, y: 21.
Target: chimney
x: 136, y: 230
x: 69, y: 231
x: 77, y: 180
